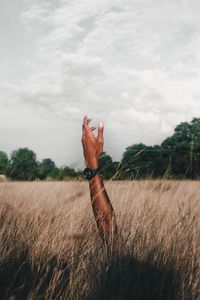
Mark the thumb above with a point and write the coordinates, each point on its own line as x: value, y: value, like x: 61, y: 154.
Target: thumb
x: 100, y: 132
x: 100, y: 139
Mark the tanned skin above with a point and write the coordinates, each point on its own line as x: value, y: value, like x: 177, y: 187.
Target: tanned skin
x: 101, y: 205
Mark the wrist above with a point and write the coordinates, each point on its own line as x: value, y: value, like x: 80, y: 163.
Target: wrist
x: 90, y: 173
x: 92, y: 165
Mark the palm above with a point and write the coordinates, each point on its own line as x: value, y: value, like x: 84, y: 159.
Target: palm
x: 96, y: 140
x: 92, y: 143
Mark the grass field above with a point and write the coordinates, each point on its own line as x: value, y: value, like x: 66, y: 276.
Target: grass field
x: 50, y: 248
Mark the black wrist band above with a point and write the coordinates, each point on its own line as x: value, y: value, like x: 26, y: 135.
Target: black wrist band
x: 90, y: 173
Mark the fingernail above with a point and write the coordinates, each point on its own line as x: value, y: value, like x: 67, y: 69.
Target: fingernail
x: 101, y: 124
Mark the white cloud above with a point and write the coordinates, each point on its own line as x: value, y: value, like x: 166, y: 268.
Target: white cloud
x: 133, y: 64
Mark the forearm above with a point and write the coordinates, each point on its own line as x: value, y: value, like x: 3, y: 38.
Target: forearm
x: 103, y: 210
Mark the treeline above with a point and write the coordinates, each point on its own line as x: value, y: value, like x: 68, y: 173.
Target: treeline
x: 23, y: 165
x: 178, y: 157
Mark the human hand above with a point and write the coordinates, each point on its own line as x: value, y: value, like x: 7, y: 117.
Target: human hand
x: 92, y: 146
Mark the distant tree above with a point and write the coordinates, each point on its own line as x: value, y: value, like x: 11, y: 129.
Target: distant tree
x: 23, y: 165
x: 184, y: 149
x: 47, y: 168
x: 177, y: 157
x: 132, y: 162
x: 116, y: 170
x: 3, y: 162
x: 79, y: 174
x: 67, y: 173
x: 110, y: 168
x: 141, y: 161
x: 161, y: 162
x: 55, y: 173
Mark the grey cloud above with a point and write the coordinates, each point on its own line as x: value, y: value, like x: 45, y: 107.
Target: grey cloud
x: 132, y: 64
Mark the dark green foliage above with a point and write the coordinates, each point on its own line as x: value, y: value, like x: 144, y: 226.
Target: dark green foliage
x: 184, y: 149
x: 55, y: 173
x: 23, y: 165
x: 79, y: 174
x: 3, y: 162
x: 133, y: 161
x: 108, y: 167
x: 177, y: 157
x: 67, y: 172
x: 140, y: 161
x: 47, y: 168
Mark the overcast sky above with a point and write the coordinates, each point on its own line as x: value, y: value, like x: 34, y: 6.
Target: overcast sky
x: 133, y: 64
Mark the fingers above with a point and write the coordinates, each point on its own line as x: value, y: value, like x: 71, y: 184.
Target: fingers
x: 89, y: 130
x: 100, y: 132
x: 85, y: 126
x: 100, y: 139
x: 83, y: 130
x: 86, y: 129
x: 88, y: 120
x: 99, y: 148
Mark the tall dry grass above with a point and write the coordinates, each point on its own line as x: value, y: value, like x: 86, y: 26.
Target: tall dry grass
x: 50, y: 248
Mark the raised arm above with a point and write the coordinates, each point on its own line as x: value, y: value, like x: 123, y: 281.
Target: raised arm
x: 102, y: 208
